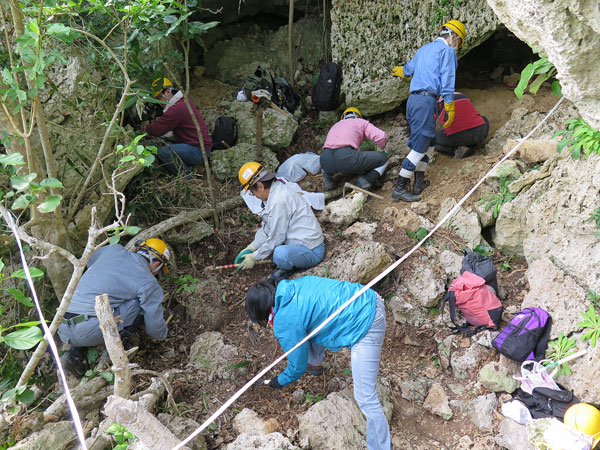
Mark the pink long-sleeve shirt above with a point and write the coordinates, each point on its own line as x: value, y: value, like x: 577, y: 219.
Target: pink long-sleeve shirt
x: 353, y: 132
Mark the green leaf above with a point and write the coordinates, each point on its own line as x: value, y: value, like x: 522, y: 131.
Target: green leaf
x: 114, y: 239
x: 132, y: 231
x: 34, y: 272
x: 237, y: 365
x: 537, y: 83
x: 22, y: 182
x: 92, y: 355
x: 26, y: 397
x: 12, y: 159
x: 108, y: 376
x: 33, y: 26
x: 51, y: 183
x: 9, y: 395
x: 526, y: 75
x: 20, y: 297
x: 24, y: 339
x: 50, y: 204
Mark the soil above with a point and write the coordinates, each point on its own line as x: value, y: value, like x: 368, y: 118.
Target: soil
x: 408, y: 351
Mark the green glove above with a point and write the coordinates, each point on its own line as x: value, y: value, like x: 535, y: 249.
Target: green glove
x: 240, y: 257
x: 248, y: 262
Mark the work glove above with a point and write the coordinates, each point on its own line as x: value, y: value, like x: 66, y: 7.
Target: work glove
x: 271, y: 383
x: 398, y: 71
x: 240, y: 257
x: 248, y: 262
x: 449, y: 107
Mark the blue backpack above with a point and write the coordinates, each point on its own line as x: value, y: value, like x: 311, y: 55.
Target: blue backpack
x: 526, y: 336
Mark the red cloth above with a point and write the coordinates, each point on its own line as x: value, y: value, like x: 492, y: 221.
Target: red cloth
x: 465, y: 115
x: 474, y: 299
x: 178, y: 120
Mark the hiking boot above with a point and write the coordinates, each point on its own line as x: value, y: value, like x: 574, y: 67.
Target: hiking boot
x: 314, y: 371
x: 420, y: 183
x: 364, y: 184
x: 279, y: 274
x: 401, y: 191
x: 72, y: 364
x: 462, y: 152
x: 104, y: 362
x: 328, y: 183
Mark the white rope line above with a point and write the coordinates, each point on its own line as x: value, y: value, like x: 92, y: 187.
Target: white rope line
x: 49, y: 338
x: 244, y: 388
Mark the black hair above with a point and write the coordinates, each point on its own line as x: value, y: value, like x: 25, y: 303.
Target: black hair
x: 266, y: 184
x: 259, y: 301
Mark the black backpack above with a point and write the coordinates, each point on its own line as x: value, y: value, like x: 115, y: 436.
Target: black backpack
x: 326, y: 93
x: 286, y: 96
x: 261, y: 79
x: 225, y: 133
x: 480, y: 265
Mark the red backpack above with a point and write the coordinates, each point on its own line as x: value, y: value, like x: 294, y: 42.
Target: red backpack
x: 477, y: 303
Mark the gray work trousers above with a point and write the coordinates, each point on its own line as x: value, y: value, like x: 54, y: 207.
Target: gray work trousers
x: 348, y: 160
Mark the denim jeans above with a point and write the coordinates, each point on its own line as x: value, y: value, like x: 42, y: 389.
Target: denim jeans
x: 180, y: 156
x: 287, y: 257
x: 365, y: 366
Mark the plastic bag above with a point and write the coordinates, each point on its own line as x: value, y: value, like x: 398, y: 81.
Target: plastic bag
x: 536, y: 376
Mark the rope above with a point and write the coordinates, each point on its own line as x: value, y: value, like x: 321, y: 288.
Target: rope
x: 48, y: 335
x: 244, y: 388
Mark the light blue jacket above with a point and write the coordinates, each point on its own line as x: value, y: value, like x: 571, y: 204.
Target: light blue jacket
x: 303, y: 304
x: 130, y: 285
x: 433, y: 69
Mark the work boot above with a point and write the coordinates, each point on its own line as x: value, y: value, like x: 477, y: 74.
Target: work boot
x: 315, y: 370
x: 104, y: 363
x: 72, y: 363
x: 420, y: 183
x: 462, y: 152
x: 279, y: 274
x: 328, y: 183
x: 401, y: 191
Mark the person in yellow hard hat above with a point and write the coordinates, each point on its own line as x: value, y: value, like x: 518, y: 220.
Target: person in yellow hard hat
x: 433, y: 72
x: 129, y: 278
x: 341, y: 152
x: 289, y: 231
x: 176, y: 122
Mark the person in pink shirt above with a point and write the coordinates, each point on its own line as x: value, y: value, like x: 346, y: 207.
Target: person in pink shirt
x: 185, y: 152
x: 341, y: 152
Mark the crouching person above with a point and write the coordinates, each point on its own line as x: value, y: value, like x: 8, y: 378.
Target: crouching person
x: 296, y: 307
x: 129, y: 279
x: 290, y: 231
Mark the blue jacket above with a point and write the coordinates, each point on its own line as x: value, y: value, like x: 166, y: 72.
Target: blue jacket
x: 433, y: 69
x: 130, y: 285
x: 303, y: 304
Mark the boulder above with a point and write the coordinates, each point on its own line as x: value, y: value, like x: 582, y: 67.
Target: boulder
x: 405, y: 219
x: 533, y: 151
x: 426, y: 284
x: 497, y: 378
x: 464, y: 361
x: 465, y: 224
x: 437, y: 402
x: 247, y: 421
x: 203, y: 303
x: 481, y: 411
x: 509, y: 170
x: 210, y: 352
x: 273, y: 441
x: 451, y: 264
x: 512, y: 436
x: 344, y: 211
x: 226, y: 163
x: 414, y: 389
x: 360, y: 230
x: 182, y: 427
x: 277, y: 130
x: 407, y: 312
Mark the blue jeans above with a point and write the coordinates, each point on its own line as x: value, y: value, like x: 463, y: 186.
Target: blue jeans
x: 365, y: 366
x: 177, y: 156
x: 420, y: 110
x: 287, y: 257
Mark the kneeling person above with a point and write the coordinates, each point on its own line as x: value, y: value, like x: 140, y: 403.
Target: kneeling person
x: 290, y: 231
x: 129, y: 279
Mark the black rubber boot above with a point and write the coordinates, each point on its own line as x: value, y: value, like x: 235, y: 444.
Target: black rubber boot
x: 420, y: 183
x: 401, y: 191
x: 328, y: 183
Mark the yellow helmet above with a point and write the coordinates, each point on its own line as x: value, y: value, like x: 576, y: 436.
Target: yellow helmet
x: 351, y: 113
x: 458, y: 28
x: 252, y: 172
x: 154, y: 249
x: 585, y: 418
x: 160, y: 84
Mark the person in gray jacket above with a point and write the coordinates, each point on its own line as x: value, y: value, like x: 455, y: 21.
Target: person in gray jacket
x: 129, y: 278
x: 290, y: 230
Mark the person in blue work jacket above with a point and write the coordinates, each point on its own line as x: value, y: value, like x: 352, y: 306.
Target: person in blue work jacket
x: 433, y: 71
x: 296, y: 307
x: 129, y: 279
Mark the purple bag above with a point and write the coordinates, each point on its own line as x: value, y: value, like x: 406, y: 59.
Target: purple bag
x: 526, y: 336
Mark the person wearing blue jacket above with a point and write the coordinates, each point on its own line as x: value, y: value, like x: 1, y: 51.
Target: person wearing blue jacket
x: 297, y: 307
x: 433, y: 72
x: 129, y: 279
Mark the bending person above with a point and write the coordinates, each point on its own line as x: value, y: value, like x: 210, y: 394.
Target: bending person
x: 296, y: 307
x: 341, y: 152
x: 290, y: 231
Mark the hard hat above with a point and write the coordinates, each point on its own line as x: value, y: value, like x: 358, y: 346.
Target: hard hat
x: 160, y: 84
x: 351, y: 113
x: 458, y: 28
x: 154, y: 249
x: 585, y: 418
x: 252, y: 172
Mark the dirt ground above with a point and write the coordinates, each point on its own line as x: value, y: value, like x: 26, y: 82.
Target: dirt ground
x: 407, y: 350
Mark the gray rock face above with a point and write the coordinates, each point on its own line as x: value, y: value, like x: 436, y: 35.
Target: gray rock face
x: 406, y: 312
x: 512, y: 436
x: 209, y: 351
x: 226, y: 163
x: 247, y: 421
x: 496, y: 378
x: 361, y: 230
x: 464, y: 361
x: 437, y: 402
x: 273, y: 441
x: 464, y: 223
x: 344, y: 211
x: 481, y: 411
x: 580, y: 382
x: 368, y: 38
x: 414, y: 389
x: 450, y: 263
x: 359, y: 265
x: 564, y: 30
x: 425, y: 284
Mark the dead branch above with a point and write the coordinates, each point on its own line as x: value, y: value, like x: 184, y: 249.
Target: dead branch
x: 85, y: 395
x: 167, y: 385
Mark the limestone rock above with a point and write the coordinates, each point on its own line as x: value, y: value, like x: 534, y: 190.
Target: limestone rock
x: 509, y: 170
x: 580, y: 382
x: 209, y: 351
x: 464, y: 223
x: 406, y: 312
x: 485, y: 213
x: 437, y: 402
x: 277, y: 130
x: 481, y: 411
x: 203, y: 303
x: 496, y: 378
x: 182, y: 427
x: 344, y: 211
x: 450, y: 263
x: 414, y: 389
x: 552, y: 433
x: 512, y: 436
x: 405, y: 219
x: 360, y: 230
x: 425, y: 284
x: 247, y: 421
x: 226, y: 163
x: 273, y: 441
x: 534, y: 150
x: 464, y: 361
